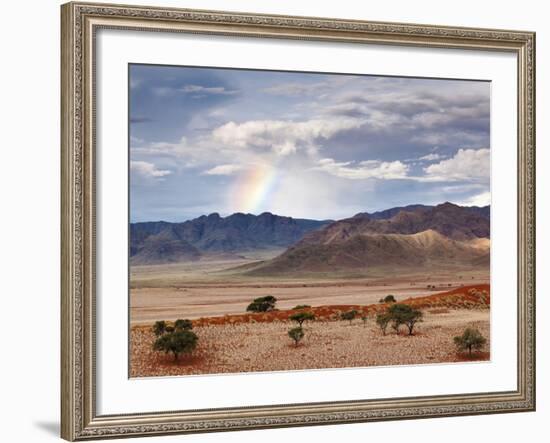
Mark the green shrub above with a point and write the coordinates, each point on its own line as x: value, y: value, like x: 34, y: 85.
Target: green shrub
x: 301, y: 317
x: 262, y: 304
x: 383, y: 320
x: 297, y: 307
x: 178, y: 342
x: 183, y: 325
x: 470, y: 339
x: 401, y: 313
x: 296, y: 334
x: 159, y: 328
x: 348, y: 315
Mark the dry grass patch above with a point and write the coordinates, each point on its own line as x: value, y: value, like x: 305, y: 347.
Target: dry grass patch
x: 251, y: 347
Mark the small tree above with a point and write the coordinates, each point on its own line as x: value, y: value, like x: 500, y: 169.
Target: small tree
x: 411, y: 319
x: 297, y: 307
x: 470, y: 339
x: 296, y: 334
x: 397, y: 312
x: 301, y: 317
x: 159, y: 328
x: 178, y: 342
x: 383, y: 320
x: 395, y: 324
x: 401, y: 313
x: 389, y: 299
x: 364, y: 319
x: 183, y: 325
x: 262, y: 304
x: 348, y: 315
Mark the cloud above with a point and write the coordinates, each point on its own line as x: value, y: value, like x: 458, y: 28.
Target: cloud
x: 318, y: 133
x: 136, y: 140
x: 296, y: 89
x: 364, y: 170
x: 182, y: 150
x: 280, y: 136
x: 448, y: 136
x: 431, y: 157
x: 461, y: 188
x: 415, y: 114
x: 348, y: 109
x: 201, y: 152
x: 218, y: 112
x: 482, y: 199
x: 147, y: 170
x: 134, y: 82
x: 140, y: 120
x: 228, y: 169
x: 161, y: 148
x: 467, y: 164
x: 411, y: 101
x: 212, y: 90
x: 250, y: 141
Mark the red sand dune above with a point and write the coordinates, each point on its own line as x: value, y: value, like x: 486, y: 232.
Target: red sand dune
x: 465, y: 297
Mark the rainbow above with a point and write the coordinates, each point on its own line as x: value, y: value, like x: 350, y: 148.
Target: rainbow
x: 253, y: 189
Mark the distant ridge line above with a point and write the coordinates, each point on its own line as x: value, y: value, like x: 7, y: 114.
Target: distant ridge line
x: 166, y: 242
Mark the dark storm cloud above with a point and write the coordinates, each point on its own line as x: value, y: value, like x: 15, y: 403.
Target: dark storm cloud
x: 410, y: 117
x: 170, y: 97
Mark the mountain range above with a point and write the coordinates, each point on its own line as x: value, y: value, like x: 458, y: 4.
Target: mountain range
x: 414, y: 236
x: 164, y: 242
x: 484, y: 211
x: 417, y: 236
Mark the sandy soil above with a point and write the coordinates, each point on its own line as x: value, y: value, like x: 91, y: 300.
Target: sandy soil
x: 250, y: 347
x: 201, y: 289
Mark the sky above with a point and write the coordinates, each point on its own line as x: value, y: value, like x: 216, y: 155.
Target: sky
x: 306, y: 145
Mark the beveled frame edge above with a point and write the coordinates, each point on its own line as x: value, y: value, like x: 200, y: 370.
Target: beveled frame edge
x: 78, y: 24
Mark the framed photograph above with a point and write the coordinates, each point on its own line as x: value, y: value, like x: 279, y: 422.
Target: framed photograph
x: 283, y: 221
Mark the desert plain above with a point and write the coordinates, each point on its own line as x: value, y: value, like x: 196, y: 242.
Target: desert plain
x: 205, y: 288
x: 232, y: 340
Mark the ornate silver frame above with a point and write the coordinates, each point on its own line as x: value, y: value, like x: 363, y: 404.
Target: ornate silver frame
x: 80, y: 21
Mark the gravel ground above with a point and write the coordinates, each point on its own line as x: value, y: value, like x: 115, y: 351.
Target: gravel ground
x: 252, y: 347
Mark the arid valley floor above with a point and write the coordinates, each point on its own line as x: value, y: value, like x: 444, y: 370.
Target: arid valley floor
x: 202, y: 289
x: 231, y: 340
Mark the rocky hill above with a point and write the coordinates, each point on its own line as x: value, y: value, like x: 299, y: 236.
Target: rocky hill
x: 446, y: 235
